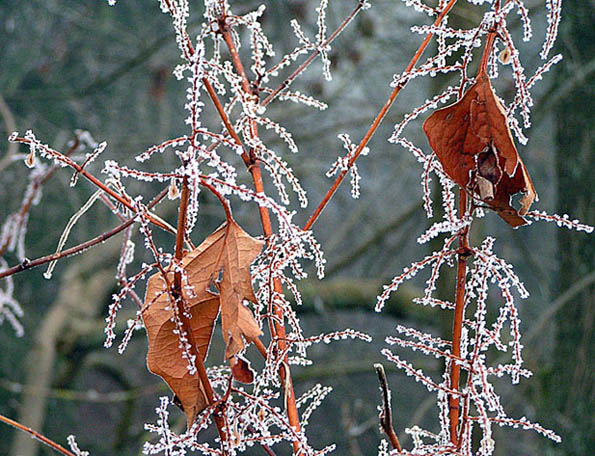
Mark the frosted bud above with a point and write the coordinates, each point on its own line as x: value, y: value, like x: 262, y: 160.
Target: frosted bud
x: 505, y: 56
x: 173, y: 192
x: 30, y: 159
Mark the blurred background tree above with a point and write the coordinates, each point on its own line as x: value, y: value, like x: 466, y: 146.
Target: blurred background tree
x: 69, y: 65
x: 568, y: 379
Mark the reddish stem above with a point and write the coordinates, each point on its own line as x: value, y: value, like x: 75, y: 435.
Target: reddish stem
x: 455, y: 370
x: 225, y: 119
x: 376, y: 122
x: 37, y: 436
x: 28, y: 264
x: 463, y: 253
x: 186, y: 323
x: 184, y: 197
x: 277, y: 327
x: 483, y: 65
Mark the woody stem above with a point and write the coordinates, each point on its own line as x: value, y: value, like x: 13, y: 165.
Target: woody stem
x: 186, y: 324
x: 277, y: 327
x: 483, y: 65
x: 455, y: 369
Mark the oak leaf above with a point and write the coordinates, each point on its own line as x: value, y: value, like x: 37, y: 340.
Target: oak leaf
x: 472, y: 140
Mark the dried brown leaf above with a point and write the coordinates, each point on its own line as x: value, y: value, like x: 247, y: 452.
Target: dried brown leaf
x: 473, y: 142
x: 228, y: 252
x: 241, y: 370
x: 231, y: 250
x: 164, y: 357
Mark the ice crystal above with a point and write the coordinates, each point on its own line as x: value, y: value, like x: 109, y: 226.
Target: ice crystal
x: 10, y: 309
x: 71, y: 439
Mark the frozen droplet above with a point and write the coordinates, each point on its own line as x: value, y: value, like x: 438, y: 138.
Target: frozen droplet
x: 30, y: 160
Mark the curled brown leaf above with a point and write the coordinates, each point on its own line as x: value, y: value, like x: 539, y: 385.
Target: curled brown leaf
x: 472, y: 140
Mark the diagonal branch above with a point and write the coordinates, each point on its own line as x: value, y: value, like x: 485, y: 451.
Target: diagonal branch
x: 63, y: 158
x: 28, y: 264
x: 37, y: 436
x: 377, y: 122
x: 285, y: 84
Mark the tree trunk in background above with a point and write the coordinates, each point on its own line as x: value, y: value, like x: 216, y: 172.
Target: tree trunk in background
x: 568, y: 402
x: 92, y: 277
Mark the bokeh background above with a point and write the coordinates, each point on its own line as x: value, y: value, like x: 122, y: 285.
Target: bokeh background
x: 68, y: 65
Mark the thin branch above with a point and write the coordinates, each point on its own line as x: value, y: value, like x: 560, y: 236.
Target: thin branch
x: 90, y: 177
x: 28, y: 264
x: 186, y: 324
x: 386, y: 415
x: 37, y: 436
x: 285, y: 84
x: 457, y: 326
x: 267, y: 449
x: 377, y: 121
x: 225, y: 120
x: 221, y: 199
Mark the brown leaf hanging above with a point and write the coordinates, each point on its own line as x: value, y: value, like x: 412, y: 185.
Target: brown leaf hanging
x: 165, y: 357
x: 241, y: 370
x: 474, y: 144
x: 228, y: 252
x: 231, y: 250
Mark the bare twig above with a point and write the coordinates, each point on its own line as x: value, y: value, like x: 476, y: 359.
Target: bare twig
x: 37, y: 436
x: 457, y: 326
x: 386, y: 416
x: 28, y: 264
x: 376, y: 123
x: 285, y: 84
